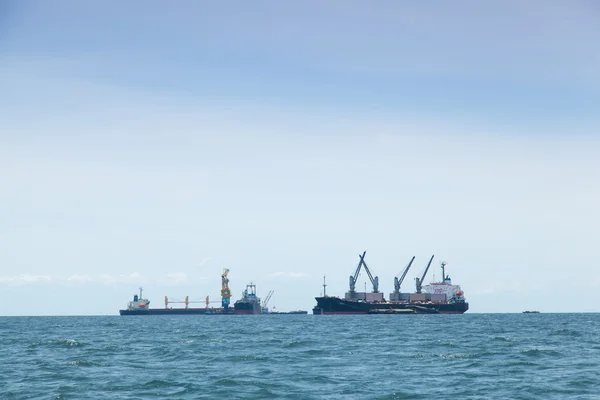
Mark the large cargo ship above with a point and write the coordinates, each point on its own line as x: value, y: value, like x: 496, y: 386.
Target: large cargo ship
x: 436, y: 298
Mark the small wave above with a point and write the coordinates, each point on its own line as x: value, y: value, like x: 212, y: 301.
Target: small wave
x: 566, y: 332
x: 246, y: 358
x: 156, y: 384
x: 228, y: 383
x: 522, y: 364
x: 84, y: 363
x: 400, y: 396
x: 540, y: 353
x: 450, y: 356
x: 447, y: 344
x: 66, y: 343
x: 295, y: 344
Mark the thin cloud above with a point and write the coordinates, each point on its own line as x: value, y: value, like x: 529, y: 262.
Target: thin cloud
x: 25, y: 279
x: 133, y: 278
x: 204, y: 261
x: 79, y: 278
x: 289, y: 274
x: 176, y: 278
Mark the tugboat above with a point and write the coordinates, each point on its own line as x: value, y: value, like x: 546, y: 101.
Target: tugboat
x: 249, y: 303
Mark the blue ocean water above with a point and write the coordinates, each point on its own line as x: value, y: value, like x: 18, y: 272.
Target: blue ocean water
x: 471, y: 356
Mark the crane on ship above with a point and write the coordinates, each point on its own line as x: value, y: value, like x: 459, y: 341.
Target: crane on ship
x: 353, y: 278
x: 225, y: 292
x: 265, y: 308
x: 398, y: 282
x: 420, y: 281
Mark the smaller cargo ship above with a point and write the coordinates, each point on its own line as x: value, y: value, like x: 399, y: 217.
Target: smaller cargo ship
x: 141, y: 306
x: 249, y: 303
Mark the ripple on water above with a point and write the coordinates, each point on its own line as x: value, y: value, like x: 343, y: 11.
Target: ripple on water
x: 474, y: 356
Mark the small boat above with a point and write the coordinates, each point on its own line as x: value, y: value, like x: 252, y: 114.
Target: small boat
x: 531, y: 312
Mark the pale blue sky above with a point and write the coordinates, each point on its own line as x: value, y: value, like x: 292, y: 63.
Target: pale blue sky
x: 155, y: 143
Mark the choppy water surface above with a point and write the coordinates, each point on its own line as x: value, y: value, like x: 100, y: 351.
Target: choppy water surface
x: 471, y: 356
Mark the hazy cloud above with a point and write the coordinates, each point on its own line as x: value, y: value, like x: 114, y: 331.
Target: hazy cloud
x: 25, y: 279
x: 176, y: 278
x: 79, y: 278
x: 132, y: 278
x: 289, y: 274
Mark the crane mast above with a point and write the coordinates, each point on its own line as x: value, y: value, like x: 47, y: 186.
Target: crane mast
x: 420, y: 281
x: 265, y: 308
x: 353, y: 278
x: 225, y: 292
x: 398, y: 282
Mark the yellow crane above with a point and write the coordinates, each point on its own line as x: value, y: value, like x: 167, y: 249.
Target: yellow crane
x: 225, y: 292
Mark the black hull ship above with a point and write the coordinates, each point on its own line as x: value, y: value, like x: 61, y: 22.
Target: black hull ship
x: 435, y: 298
x: 249, y: 303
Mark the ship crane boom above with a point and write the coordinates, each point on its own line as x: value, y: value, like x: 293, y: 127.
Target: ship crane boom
x: 398, y: 282
x: 353, y: 279
x: 266, y: 303
x: 420, y: 281
x: 265, y: 308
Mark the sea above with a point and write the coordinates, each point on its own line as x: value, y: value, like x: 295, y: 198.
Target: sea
x: 470, y: 356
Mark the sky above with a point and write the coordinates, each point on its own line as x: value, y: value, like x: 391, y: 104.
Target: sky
x: 146, y: 144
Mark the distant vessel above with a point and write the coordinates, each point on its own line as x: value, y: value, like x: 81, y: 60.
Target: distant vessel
x: 265, y: 308
x: 248, y: 304
x: 436, y: 298
x: 140, y: 306
x: 531, y: 312
x: 287, y: 312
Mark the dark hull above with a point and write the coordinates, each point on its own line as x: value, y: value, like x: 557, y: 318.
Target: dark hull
x: 335, y: 305
x: 242, y: 307
x: 176, y: 311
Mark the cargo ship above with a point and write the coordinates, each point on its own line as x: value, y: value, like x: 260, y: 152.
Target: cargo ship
x: 141, y: 306
x: 248, y: 304
x: 435, y: 298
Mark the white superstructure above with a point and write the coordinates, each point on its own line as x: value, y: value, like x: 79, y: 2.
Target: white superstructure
x: 138, y: 303
x: 445, y: 288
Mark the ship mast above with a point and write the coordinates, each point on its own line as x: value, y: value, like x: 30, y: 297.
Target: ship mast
x: 443, y: 271
x: 324, y: 286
